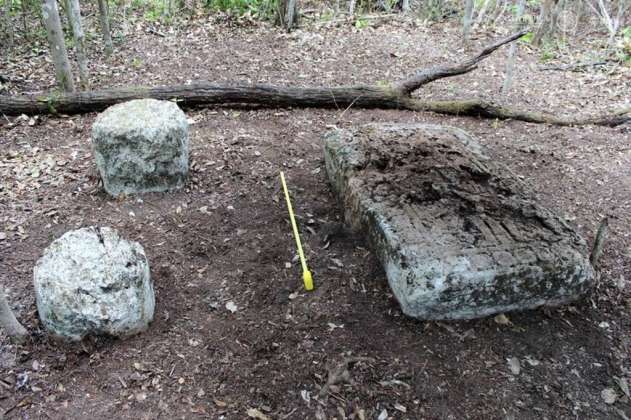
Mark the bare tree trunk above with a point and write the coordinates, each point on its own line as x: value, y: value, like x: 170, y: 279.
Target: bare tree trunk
x: 291, y: 14
x: 167, y: 8
x: 499, y: 12
x: 510, y: 65
x: 467, y: 18
x: 79, y: 38
x: 557, y: 8
x: 105, y: 27
x: 541, y: 21
x: 287, y: 14
x: 24, y: 23
x: 6, y: 24
x: 351, y: 7
x: 58, y: 52
x: 65, y: 4
x: 11, y: 325
x: 582, y: 17
x: 405, y: 6
x: 125, y: 20
x: 612, y: 22
x: 546, y: 21
x: 482, y: 14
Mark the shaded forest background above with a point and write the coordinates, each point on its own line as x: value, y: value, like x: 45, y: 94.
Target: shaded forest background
x: 582, y: 33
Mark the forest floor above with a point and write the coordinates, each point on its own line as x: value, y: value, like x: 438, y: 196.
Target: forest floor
x: 226, y: 238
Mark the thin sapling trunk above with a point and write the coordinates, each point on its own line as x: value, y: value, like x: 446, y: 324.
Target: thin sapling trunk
x: 510, y: 64
x: 79, y: 38
x: 105, y: 27
x: 58, y: 52
x: 11, y: 325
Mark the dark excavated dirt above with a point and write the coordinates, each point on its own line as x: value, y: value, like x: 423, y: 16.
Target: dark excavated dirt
x: 226, y: 238
x: 456, y: 232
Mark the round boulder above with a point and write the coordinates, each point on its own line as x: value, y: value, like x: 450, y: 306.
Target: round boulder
x: 141, y: 146
x: 93, y: 282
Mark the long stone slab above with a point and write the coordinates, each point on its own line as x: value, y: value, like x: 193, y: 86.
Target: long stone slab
x: 455, y: 231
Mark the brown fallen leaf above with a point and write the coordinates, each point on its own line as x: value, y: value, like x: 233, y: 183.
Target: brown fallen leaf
x: 220, y: 404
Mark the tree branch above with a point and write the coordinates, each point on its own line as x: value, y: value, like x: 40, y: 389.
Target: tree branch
x: 426, y: 76
x: 479, y: 108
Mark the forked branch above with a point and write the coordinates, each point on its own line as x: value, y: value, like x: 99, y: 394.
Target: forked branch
x: 425, y: 76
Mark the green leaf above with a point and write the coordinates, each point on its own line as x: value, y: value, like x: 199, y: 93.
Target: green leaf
x: 361, y: 23
x: 527, y: 38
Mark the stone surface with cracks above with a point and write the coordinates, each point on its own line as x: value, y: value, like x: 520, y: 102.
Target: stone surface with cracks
x: 93, y: 282
x: 141, y: 146
x: 455, y: 231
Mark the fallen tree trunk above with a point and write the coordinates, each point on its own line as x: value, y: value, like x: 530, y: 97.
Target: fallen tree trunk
x: 204, y: 94
x: 277, y: 97
x: 396, y: 96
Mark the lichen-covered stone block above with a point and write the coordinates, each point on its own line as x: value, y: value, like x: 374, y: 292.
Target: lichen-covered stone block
x: 93, y: 282
x: 456, y: 232
x: 141, y: 146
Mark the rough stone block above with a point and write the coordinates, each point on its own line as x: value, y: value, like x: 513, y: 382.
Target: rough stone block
x: 456, y: 232
x: 141, y: 146
x: 92, y: 282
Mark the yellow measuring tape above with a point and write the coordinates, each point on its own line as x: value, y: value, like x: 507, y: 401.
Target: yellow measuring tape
x: 306, y: 274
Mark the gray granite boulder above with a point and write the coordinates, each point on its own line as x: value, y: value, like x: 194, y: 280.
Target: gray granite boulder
x: 455, y: 231
x: 141, y: 146
x: 92, y: 282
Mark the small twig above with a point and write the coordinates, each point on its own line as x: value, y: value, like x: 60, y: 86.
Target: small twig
x: 347, y: 108
x: 599, y: 242
x: 286, y: 416
x: 351, y: 18
x: 575, y: 67
x: 377, y: 17
x: 156, y: 32
x: 335, y: 101
x: 19, y: 404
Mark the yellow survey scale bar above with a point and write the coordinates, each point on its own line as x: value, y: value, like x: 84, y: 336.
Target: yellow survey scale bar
x: 306, y: 274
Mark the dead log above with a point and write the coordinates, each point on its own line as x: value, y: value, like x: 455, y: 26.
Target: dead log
x: 396, y: 96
